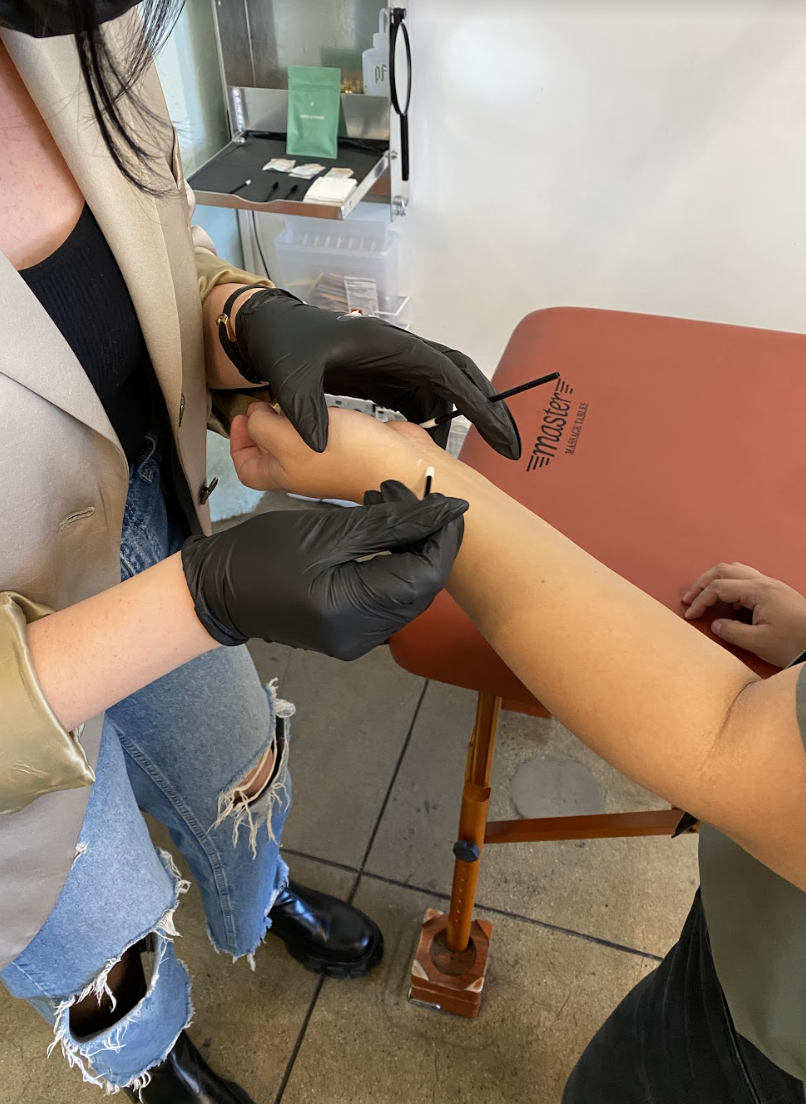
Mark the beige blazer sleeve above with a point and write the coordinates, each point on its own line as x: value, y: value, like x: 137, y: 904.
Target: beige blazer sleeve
x: 38, y: 754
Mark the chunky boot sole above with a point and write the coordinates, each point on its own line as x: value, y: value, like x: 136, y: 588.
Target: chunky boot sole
x: 333, y: 968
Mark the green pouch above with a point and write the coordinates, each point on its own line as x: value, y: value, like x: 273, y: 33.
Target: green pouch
x: 314, y: 102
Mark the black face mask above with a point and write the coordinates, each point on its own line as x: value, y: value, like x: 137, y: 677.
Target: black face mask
x: 47, y: 18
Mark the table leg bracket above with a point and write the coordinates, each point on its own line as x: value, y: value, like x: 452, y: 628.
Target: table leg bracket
x: 451, y: 981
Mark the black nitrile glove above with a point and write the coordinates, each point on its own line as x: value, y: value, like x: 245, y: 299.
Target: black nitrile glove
x: 293, y: 577
x: 303, y: 352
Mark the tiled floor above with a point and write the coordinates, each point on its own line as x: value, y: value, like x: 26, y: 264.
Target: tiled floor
x: 377, y: 761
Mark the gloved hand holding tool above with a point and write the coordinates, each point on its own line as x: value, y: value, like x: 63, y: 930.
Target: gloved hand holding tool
x: 299, y: 577
x: 302, y: 352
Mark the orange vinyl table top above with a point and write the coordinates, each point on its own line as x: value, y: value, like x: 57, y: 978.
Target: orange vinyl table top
x: 667, y: 446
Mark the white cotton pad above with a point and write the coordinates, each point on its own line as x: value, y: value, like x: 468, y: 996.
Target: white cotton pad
x: 279, y: 164
x: 330, y: 190
x: 307, y: 171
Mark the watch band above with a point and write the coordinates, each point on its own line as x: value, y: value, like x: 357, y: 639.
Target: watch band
x: 229, y: 343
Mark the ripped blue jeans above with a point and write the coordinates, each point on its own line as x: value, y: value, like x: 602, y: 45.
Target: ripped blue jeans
x: 178, y: 749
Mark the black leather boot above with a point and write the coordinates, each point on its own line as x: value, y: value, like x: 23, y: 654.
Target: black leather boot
x: 185, y: 1078
x: 326, y: 935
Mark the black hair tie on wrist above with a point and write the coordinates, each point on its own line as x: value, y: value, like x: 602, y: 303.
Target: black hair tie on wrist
x: 226, y: 335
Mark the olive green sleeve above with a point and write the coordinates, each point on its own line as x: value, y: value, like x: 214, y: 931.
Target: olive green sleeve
x: 37, y: 755
x: 210, y: 268
x: 213, y: 270
x: 223, y: 406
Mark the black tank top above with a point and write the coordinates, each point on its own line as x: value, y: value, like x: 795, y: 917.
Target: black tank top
x: 83, y: 291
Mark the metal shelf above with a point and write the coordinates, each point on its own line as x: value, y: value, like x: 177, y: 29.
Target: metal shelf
x: 243, y: 159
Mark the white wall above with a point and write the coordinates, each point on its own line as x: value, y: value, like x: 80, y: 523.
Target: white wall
x: 642, y: 156
x: 189, y: 71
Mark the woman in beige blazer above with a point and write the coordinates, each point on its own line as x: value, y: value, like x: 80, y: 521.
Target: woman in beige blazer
x: 122, y: 680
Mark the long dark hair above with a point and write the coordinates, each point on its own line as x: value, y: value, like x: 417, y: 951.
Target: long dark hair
x: 112, y: 79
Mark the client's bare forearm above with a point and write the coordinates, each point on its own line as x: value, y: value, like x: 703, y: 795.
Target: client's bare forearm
x: 659, y: 700
x: 666, y: 705
x: 630, y: 678
x: 93, y: 654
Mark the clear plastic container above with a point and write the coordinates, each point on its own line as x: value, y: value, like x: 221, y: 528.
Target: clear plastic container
x: 400, y: 315
x: 316, y: 256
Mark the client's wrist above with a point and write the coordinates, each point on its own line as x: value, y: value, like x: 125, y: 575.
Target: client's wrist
x: 407, y: 461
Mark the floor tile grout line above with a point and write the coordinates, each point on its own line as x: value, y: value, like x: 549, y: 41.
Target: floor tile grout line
x: 292, y: 1058
x: 289, y: 1066
x: 390, y: 787
x: 435, y: 893
x: 318, y: 858
x: 546, y: 924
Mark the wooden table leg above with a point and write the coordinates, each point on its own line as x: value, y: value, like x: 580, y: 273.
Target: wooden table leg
x: 472, y: 821
x: 451, y: 960
x: 649, y: 822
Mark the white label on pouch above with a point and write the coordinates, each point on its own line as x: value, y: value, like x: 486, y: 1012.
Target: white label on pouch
x: 362, y: 294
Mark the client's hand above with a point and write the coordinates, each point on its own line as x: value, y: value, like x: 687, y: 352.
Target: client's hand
x: 778, y: 630
x: 269, y: 454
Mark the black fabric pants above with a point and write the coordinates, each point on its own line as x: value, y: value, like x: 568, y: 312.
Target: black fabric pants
x: 671, y: 1041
